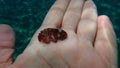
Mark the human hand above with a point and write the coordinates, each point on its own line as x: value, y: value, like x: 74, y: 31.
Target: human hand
x: 91, y: 41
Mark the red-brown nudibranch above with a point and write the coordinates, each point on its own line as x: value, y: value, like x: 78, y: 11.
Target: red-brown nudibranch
x: 51, y: 35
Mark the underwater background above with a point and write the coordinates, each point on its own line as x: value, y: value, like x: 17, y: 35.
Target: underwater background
x: 26, y: 16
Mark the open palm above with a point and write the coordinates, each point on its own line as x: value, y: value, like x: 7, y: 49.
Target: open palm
x: 91, y: 41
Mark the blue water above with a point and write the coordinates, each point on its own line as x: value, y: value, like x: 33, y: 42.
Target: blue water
x: 26, y: 16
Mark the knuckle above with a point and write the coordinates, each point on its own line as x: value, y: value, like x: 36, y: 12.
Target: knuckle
x: 57, y: 9
x: 74, y: 11
x: 88, y: 19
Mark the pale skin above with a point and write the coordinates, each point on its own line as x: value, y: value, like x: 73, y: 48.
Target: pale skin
x: 91, y: 41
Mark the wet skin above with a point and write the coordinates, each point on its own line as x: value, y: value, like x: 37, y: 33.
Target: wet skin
x: 91, y: 41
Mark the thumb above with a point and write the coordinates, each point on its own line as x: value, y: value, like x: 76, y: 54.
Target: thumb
x: 7, y: 40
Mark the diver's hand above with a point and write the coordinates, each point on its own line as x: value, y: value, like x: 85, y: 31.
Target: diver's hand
x: 91, y: 41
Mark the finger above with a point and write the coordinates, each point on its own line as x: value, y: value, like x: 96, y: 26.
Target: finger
x: 87, y: 25
x: 72, y: 15
x: 7, y: 40
x: 105, y: 43
x: 55, y: 14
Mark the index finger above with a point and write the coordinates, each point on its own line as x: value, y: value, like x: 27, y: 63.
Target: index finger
x: 55, y: 14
